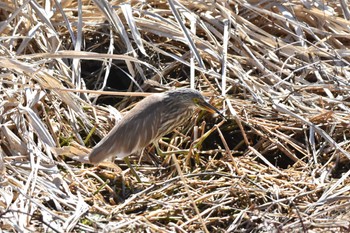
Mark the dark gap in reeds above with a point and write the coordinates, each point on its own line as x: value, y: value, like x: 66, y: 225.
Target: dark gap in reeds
x: 280, y: 162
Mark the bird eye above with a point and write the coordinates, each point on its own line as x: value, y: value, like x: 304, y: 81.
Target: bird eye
x: 195, y: 100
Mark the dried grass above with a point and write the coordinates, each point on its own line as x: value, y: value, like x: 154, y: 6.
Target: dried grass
x: 280, y: 163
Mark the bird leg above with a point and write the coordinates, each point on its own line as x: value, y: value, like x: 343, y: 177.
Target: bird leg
x: 159, y: 151
x: 127, y: 161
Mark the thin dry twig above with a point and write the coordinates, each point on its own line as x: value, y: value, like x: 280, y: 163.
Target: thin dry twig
x: 282, y: 69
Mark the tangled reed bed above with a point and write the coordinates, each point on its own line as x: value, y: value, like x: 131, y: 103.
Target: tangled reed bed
x: 279, y: 70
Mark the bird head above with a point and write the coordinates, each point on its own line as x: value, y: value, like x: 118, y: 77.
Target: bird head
x: 193, y: 98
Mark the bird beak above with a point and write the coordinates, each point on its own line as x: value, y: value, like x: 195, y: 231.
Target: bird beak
x: 210, y: 108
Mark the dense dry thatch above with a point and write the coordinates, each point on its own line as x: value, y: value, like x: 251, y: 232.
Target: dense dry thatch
x: 280, y: 162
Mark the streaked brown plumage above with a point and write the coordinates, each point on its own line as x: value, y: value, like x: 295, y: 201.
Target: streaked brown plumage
x: 152, y: 118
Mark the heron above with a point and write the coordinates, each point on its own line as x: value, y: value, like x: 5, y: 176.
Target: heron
x: 151, y: 118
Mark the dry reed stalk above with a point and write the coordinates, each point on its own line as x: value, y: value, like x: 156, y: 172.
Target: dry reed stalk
x: 280, y: 163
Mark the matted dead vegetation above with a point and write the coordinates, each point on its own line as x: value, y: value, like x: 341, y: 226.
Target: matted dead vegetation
x: 278, y: 164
